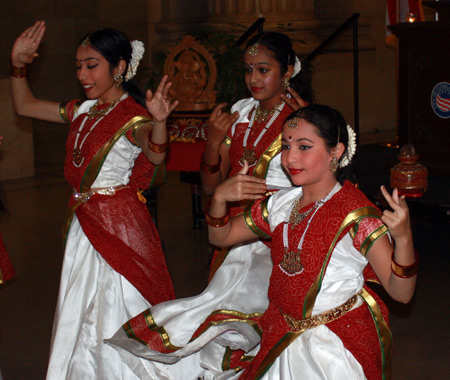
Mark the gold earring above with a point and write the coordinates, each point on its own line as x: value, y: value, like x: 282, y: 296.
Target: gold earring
x: 285, y: 83
x: 334, y: 163
x: 118, y: 79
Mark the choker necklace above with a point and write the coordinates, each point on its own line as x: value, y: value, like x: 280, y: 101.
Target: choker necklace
x: 78, y: 158
x: 291, y: 263
x: 263, y: 115
x: 95, y: 113
x: 249, y: 154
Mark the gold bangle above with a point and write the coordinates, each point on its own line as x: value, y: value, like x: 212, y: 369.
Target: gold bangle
x: 210, y: 169
x: 405, y: 271
x: 216, y: 222
x: 157, y: 148
x: 18, y: 72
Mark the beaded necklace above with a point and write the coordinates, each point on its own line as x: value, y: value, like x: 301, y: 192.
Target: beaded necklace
x: 249, y: 154
x: 78, y: 158
x: 291, y: 263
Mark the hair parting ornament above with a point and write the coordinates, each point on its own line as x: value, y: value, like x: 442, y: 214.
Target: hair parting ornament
x: 86, y: 42
x: 292, y: 125
x: 254, y: 49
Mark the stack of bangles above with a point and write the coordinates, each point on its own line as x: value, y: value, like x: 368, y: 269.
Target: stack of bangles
x: 18, y: 72
x: 405, y: 271
x: 216, y: 222
x: 210, y: 169
x: 157, y: 148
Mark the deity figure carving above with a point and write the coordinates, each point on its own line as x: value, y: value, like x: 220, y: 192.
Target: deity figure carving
x: 193, y: 73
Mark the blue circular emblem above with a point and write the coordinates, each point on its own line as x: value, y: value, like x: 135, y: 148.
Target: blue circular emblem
x: 440, y: 100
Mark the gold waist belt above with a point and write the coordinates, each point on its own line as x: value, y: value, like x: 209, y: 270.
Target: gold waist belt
x: 84, y: 197
x: 320, y: 319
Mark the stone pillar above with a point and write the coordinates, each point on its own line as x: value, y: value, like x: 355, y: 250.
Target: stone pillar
x: 293, y: 17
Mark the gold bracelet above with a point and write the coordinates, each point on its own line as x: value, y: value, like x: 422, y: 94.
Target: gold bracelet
x: 216, y: 222
x: 157, y: 148
x: 18, y: 72
x: 210, y: 169
x: 403, y: 271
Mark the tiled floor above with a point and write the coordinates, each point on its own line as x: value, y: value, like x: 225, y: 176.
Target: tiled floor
x: 32, y: 235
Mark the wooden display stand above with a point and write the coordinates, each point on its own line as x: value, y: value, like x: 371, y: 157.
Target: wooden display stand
x: 424, y: 88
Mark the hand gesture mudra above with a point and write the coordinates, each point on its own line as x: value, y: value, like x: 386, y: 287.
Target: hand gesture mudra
x: 25, y: 47
x: 396, y: 220
x: 220, y: 122
x: 159, y: 104
x: 242, y: 187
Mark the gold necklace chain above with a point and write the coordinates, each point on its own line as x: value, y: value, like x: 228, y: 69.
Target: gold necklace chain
x: 95, y: 113
x: 263, y: 115
x: 296, y: 217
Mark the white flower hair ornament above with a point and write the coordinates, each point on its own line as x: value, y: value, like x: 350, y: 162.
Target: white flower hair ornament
x: 297, y: 67
x: 136, y: 55
x: 351, y: 148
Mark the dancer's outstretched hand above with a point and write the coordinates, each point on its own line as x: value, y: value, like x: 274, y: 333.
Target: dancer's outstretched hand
x: 159, y: 104
x: 241, y: 187
x: 25, y: 47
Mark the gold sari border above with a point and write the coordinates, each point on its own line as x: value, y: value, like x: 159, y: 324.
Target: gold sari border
x: 264, y: 209
x: 1, y: 277
x: 235, y: 316
x: 131, y: 334
x: 160, y: 330
x: 251, y: 223
x: 227, y: 141
x: 263, y: 164
x: 96, y: 163
x: 351, y: 218
x: 63, y: 112
x: 372, y: 238
x: 226, y: 361
x: 384, y: 333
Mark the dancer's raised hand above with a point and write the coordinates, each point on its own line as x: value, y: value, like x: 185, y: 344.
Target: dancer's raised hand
x: 25, y: 47
x: 220, y: 122
x: 159, y: 104
x: 397, y: 220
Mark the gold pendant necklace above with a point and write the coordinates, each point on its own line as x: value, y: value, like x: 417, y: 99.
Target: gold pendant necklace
x: 296, y: 217
x: 263, y: 115
x: 249, y: 154
x: 291, y: 263
x: 95, y: 113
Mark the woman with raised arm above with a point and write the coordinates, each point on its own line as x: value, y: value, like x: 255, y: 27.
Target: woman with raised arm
x: 328, y: 240
x: 113, y: 265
